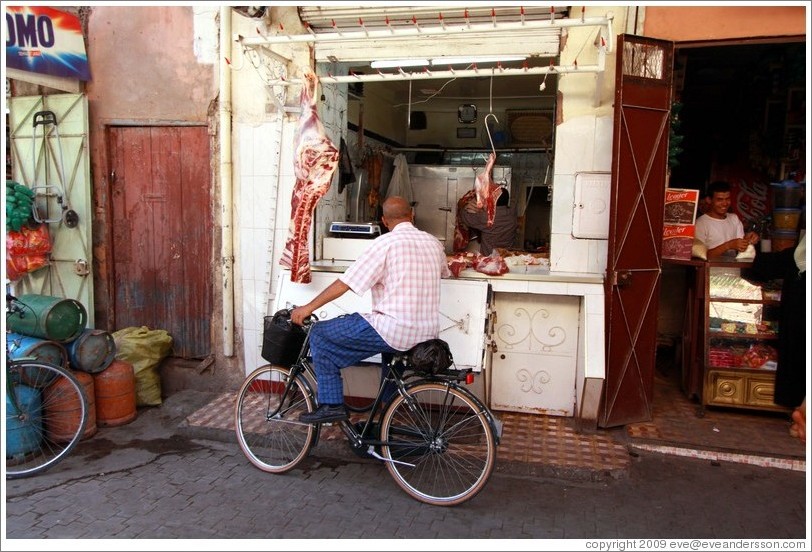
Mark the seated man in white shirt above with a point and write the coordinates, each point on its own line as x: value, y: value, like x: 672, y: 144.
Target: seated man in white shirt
x: 403, y: 269
x: 720, y: 231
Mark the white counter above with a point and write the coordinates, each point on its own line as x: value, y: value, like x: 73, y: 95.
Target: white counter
x: 529, y: 273
x: 511, y: 371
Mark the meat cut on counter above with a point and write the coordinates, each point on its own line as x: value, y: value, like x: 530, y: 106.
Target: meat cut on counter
x: 499, y: 262
x: 314, y: 162
x: 492, y: 265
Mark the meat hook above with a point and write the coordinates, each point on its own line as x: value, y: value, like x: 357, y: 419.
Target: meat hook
x: 488, y: 130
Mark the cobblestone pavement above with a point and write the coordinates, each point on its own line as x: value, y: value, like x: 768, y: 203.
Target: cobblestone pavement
x: 149, y: 480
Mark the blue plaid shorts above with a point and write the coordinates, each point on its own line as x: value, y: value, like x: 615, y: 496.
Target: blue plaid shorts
x: 338, y: 343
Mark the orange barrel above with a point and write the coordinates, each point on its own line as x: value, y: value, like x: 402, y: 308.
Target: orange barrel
x: 87, y: 382
x: 115, y: 394
x: 92, y: 352
x: 62, y: 411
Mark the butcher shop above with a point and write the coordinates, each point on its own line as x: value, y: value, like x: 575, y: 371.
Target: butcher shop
x: 476, y: 100
x: 558, y: 154
x: 561, y: 319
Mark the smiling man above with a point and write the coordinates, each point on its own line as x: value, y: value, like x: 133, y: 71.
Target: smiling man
x: 721, y: 231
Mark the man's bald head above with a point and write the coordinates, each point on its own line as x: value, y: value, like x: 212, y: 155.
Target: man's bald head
x: 395, y: 210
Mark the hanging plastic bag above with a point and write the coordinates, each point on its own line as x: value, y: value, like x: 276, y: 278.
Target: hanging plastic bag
x: 27, y: 250
x: 144, y: 349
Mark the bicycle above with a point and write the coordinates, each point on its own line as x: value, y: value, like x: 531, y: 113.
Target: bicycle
x: 437, y: 439
x: 46, y: 410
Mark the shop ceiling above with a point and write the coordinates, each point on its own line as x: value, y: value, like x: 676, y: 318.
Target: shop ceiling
x: 343, y: 38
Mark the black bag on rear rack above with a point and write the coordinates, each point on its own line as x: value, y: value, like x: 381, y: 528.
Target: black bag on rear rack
x: 431, y: 357
x: 281, y: 339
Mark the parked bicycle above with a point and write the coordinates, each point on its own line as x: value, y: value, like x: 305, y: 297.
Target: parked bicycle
x: 46, y: 409
x: 437, y: 439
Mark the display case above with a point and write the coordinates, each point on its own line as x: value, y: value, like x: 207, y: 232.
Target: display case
x: 740, y: 332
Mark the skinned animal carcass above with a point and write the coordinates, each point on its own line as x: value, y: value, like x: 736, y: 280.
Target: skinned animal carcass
x: 314, y: 162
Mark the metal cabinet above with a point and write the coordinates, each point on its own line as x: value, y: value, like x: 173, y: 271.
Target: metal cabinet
x: 436, y: 190
x: 535, y: 344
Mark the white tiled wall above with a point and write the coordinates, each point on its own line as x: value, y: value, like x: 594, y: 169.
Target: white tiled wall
x: 583, y: 144
x: 264, y: 181
x: 262, y: 191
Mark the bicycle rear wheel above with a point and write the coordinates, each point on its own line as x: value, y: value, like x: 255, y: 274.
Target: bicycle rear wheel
x: 46, y: 415
x: 441, y: 444
x: 267, y: 422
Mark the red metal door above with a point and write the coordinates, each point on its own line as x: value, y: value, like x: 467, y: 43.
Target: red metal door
x: 639, y: 159
x: 162, y: 232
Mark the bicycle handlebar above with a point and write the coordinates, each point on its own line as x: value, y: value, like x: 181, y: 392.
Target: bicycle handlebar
x: 14, y: 305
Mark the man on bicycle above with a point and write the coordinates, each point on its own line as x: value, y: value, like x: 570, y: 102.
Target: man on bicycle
x: 403, y: 269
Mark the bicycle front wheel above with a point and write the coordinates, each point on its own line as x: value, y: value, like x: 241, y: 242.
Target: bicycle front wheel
x: 46, y: 415
x: 267, y: 420
x: 440, y: 447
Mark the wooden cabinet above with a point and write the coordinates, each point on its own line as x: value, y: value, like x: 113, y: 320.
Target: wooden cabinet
x: 739, y: 338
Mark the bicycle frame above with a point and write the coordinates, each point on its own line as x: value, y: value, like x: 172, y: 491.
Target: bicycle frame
x: 396, y: 374
x: 435, y: 437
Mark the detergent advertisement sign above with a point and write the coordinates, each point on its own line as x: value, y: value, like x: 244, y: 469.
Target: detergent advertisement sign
x: 45, y: 40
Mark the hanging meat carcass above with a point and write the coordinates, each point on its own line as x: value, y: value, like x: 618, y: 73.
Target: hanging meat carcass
x: 486, y: 190
x: 486, y: 194
x: 314, y: 162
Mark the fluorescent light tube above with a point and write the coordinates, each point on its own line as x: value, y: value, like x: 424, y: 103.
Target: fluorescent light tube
x: 389, y: 63
x: 459, y: 60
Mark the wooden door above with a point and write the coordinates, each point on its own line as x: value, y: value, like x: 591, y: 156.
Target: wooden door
x: 639, y: 162
x: 162, y: 232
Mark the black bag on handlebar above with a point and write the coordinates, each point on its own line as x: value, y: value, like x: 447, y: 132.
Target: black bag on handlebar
x: 281, y: 339
x: 431, y: 357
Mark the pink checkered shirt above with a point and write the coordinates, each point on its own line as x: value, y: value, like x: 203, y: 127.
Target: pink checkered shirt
x: 403, y: 269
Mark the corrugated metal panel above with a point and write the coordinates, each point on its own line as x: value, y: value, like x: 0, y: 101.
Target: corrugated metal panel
x: 346, y: 18
x: 531, y: 42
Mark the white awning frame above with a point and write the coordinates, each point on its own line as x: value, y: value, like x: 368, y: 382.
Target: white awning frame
x: 418, y: 31
x: 535, y: 37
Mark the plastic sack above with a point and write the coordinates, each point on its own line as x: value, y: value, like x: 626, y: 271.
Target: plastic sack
x: 20, y: 265
x: 748, y: 254
x: 27, y: 250
x: 431, y: 357
x: 281, y: 339
x: 19, y: 199
x: 144, y: 349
